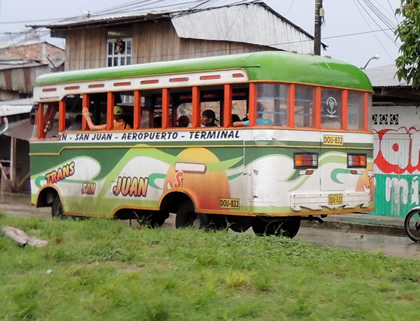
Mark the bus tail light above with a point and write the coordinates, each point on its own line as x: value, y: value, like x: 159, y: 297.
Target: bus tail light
x: 306, y: 160
x: 356, y: 160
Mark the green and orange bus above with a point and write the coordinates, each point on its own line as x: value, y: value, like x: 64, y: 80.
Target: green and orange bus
x: 311, y: 157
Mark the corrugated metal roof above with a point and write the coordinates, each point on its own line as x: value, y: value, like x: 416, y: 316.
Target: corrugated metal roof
x: 230, y: 20
x: 15, y: 107
x: 249, y: 24
x: 18, y: 64
x: 384, y: 76
x: 144, y: 9
x: 15, y: 39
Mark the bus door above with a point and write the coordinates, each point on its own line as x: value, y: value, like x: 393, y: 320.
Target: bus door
x: 332, y: 162
x: 332, y: 159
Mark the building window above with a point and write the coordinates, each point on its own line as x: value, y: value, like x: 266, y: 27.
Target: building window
x: 119, y: 51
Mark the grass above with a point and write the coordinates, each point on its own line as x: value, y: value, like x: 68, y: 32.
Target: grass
x: 104, y: 270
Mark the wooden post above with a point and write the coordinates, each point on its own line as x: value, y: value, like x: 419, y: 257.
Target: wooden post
x: 317, y: 30
x: 13, y: 178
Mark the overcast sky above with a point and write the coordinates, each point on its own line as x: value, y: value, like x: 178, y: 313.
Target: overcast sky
x: 352, y: 31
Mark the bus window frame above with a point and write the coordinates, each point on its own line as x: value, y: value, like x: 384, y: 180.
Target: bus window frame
x: 223, y: 94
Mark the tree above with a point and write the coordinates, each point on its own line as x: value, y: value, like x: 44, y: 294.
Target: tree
x: 409, y: 33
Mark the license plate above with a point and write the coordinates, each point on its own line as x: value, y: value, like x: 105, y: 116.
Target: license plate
x: 334, y: 199
x: 230, y: 203
x: 333, y: 140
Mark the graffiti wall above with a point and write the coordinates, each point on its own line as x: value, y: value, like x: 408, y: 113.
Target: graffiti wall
x: 397, y: 159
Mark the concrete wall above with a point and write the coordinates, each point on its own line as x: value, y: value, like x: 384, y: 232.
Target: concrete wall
x: 397, y: 159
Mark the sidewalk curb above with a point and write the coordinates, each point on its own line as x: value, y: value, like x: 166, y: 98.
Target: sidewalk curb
x: 391, y: 230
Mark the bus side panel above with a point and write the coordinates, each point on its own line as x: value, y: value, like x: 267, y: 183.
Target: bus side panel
x: 96, y: 181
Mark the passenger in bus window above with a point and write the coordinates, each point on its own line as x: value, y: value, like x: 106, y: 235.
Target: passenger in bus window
x: 260, y: 120
x: 157, y: 122
x: 208, y: 118
x: 235, y: 118
x: 119, y: 122
x: 183, y: 121
x: 77, y: 123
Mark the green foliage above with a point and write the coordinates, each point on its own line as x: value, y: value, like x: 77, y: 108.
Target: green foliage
x: 409, y: 33
x: 105, y: 270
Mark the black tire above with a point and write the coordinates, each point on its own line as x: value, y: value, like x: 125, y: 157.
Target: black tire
x: 286, y: 227
x: 217, y: 222
x: 57, y: 209
x: 154, y: 219
x: 412, y: 225
x: 187, y: 217
x: 240, y: 224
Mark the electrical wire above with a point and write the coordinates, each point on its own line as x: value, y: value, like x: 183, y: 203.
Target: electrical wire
x: 370, y: 16
x: 392, y: 10
x: 380, y: 14
x: 379, y: 41
x: 290, y: 8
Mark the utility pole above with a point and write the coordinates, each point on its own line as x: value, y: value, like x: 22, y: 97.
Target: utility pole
x: 319, y: 15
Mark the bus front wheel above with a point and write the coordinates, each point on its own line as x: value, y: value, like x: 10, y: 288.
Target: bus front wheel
x: 286, y: 227
x: 187, y: 217
x: 57, y: 208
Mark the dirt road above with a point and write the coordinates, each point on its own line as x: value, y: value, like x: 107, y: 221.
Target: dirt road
x: 20, y: 204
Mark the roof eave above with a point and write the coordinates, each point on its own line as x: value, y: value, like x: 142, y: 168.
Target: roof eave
x: 102, y: 22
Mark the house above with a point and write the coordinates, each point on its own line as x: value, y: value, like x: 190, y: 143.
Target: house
x: 23, y: 57
x: 146, y: 31
x: 396, y: 124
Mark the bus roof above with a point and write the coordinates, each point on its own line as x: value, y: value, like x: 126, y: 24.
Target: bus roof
x: 260, y: 66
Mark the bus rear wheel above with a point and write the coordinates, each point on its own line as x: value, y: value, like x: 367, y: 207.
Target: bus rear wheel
x: 57, y: 208
x: 217, y: 222
x: 240, y: 224
x: 285, y: 227
x: 187, y: 217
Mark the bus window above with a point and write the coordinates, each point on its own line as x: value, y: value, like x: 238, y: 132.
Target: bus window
x: 156, y: 112
x: 73, y: 112
x: 355, y: 110
x: 369, y: 107
x: 151, y: 109
x: 50, y: 120
x: 98, y: 108
x: 183, y: 115
x: 126, y: 101
x: 145, y: 117
x: 331, y: 108
x: 211, y: 102
x: 180, y: 108
x: 272, y: 107
x: 240, y: 102
x: 304, y: 97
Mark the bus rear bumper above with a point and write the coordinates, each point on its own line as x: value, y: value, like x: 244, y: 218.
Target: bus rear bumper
x: 322, y: 201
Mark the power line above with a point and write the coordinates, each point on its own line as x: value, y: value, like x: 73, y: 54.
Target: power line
x: 379, y: 41
x: 357, y: 33
x: 380, y: 14
x: 395, y: 16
